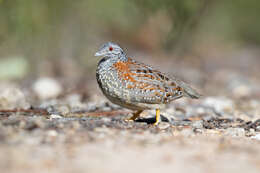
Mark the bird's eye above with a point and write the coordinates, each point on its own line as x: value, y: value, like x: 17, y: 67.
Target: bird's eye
x: 110, y: 48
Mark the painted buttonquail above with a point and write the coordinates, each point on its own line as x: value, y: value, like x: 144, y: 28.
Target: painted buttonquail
x: 135, y: 85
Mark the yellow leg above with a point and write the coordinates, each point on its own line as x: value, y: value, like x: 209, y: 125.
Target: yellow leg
x: 157, y: 118
x: 135, y: 115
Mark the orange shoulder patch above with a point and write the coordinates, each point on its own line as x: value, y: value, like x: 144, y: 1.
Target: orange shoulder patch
x: 124, y: 71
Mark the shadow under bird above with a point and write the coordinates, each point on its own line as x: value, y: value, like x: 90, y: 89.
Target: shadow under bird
x: 135, y: 85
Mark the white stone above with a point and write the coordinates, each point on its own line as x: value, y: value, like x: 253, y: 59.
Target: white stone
x: 55, y: 116
x: 46, y: 88
x: 221, y: 104
x: 52, y: 133
x: 241, y: 91
x: 257, y: 137
x: 235, y: 132
x: 197, y: 124
x: 12, y: 97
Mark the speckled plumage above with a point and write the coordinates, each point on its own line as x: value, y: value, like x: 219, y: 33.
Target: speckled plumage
x: 135, y: 85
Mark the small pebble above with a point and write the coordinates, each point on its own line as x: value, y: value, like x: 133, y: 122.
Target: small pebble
x: 51, y: 135
x: 101, y: 129
x: 220, y: 104
x: 106, y: 109
x: 105, y: 119
x: 235, y: 132
x: 257, y: 137
x: 46, y: 88
x: 197, y: 124
x: 187, y: 132
x: 201, y: 110
x: 12, y: 97
x: 163, y: 125
x: 241, y: 91
x: 55, y: 116
x: 198, y: 130
x: 251, y: 132
x: 63, y: 109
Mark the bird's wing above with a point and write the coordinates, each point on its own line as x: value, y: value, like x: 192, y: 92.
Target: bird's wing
x: 147, y: 84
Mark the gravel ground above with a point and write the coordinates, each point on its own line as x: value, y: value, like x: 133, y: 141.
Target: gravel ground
x: 48, y: 131
x: 197, y: 139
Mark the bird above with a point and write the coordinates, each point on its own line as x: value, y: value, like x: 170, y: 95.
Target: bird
x: 135, y: 85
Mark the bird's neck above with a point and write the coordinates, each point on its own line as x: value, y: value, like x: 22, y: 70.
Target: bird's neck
x: 114, y: 58
x: 123, y: 57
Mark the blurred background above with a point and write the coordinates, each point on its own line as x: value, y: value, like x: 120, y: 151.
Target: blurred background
x: 52, y: 113
x: 212, y: 44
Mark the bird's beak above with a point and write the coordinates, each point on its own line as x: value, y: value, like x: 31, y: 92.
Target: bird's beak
x: 98, y: 54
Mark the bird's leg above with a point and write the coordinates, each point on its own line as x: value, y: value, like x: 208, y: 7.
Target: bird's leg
x: 135, y: 115
x: 158, y: 117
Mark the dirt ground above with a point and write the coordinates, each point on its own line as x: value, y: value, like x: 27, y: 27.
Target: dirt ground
x: 78, y: 132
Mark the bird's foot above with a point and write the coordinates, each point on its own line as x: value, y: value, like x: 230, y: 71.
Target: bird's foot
x: 134, y: 117
x: 157, y: 117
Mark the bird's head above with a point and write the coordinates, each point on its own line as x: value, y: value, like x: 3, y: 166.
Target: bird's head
x: 109, y: 49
